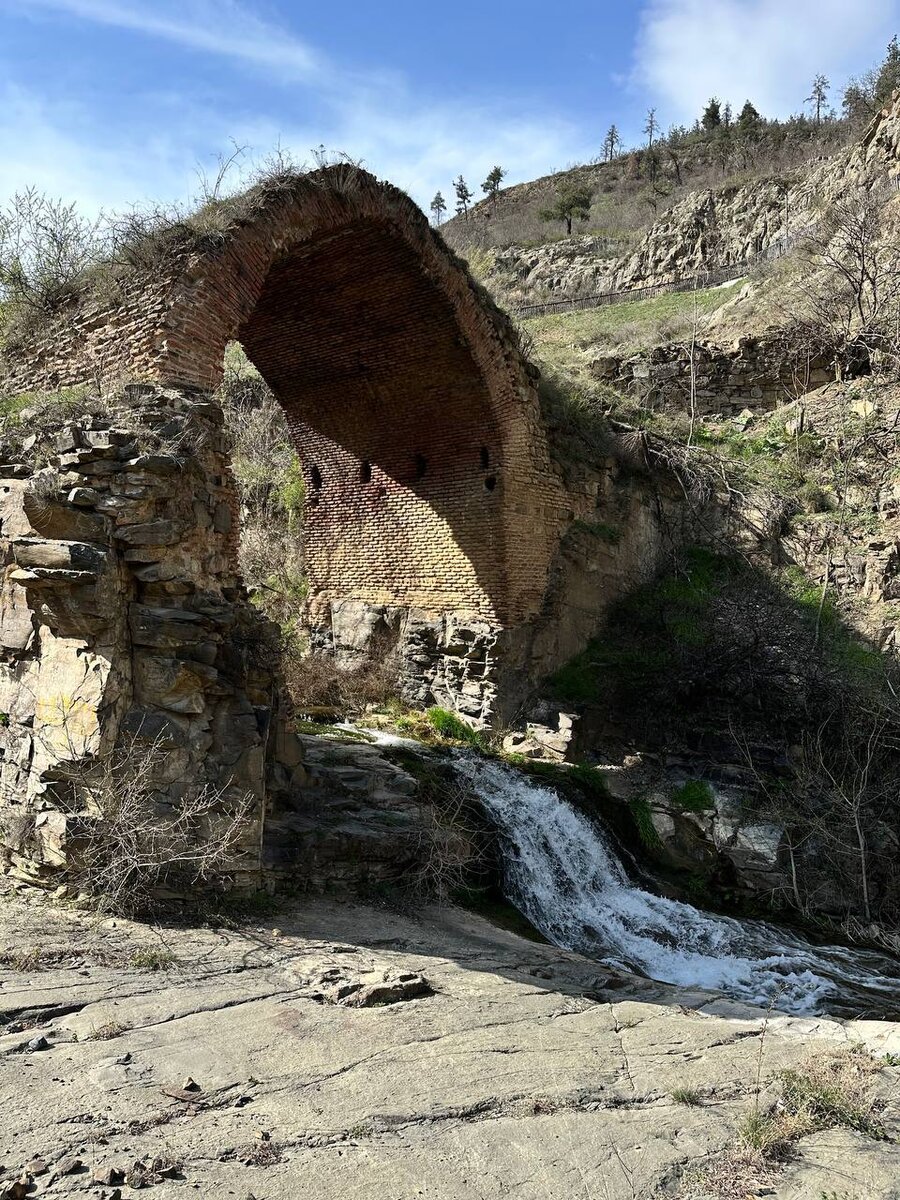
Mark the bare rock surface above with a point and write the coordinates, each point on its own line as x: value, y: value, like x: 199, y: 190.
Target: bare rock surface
x: 337, y: 1050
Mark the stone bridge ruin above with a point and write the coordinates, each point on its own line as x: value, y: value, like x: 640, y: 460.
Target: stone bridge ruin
x: 442, y: 524
x: 431, y: 493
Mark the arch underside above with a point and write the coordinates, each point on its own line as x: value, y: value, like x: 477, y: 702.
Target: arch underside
x: 401, y: 446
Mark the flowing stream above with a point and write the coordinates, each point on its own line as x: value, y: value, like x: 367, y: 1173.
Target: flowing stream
x: 566, y: 877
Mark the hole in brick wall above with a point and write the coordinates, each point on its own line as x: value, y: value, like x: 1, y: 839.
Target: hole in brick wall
x: 491, y: 482
x: 485, y: 457
x: 420, y: 463
x: 365, y: 472
x: 315, y: 476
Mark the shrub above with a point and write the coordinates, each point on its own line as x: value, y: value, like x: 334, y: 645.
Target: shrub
x: 694, y: 796
x: 46, y: 247
x: 132, y: 848
x: 452, y: 727
x: 316, y: 682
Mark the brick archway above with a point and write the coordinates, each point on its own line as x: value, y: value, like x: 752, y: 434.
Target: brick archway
x: 415, y: 416
x: 431, y: 487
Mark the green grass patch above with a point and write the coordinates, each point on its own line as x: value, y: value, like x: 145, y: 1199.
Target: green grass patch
x: 694, y: 796
x: 452, y: 728
x: 627, y: 327
x: 641, y: 816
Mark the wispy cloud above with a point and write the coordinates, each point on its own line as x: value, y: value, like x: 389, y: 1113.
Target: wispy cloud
x: 375, y: 117
x: 59, y: 150
x: 211, y: 26
x: 764, y: 50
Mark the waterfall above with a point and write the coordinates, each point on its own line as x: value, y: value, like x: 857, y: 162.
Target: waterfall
x: 563, y: 873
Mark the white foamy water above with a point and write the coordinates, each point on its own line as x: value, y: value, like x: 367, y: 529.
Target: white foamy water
x: 562, y: 872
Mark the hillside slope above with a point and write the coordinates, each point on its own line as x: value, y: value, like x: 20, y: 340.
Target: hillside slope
x: 758, y: 213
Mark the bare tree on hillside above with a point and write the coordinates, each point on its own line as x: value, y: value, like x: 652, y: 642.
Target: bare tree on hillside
x: 651, y: 126
x: 850, y: 294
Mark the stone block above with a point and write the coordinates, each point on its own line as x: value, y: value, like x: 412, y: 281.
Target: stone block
x: 67, y: 556
x: 51, y: 519
x: 153, y: 533
x: 169, y: 684
x: 165, y: 627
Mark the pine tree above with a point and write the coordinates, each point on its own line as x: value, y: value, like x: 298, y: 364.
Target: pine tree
x: 491, y: 185
x: 712, y: 115
x: 438, y: 208
x: 463, y: 196
x: 575, y: 202
x: 889, y: 74
x: 749, y: 120
x: 819, y: 96
x: 611, y: 143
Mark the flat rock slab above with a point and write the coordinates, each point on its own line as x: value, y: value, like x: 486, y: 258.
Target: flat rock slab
x: 481, y: 1065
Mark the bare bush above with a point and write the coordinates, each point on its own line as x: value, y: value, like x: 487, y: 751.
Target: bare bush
x: 451, y: 843
x: 132, y: 847
x: 45, y: 246
x: 316, y: 682
x: 848, y: 296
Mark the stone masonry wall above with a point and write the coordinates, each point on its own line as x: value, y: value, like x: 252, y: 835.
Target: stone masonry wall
x: 756, y: 373
x: 122, y: 621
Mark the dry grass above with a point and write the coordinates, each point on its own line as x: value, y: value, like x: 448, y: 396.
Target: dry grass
x: 832, y: 1088
x: 106, y: 1033
x: 316, y: 682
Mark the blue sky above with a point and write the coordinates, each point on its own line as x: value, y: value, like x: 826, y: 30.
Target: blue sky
x: 117, y: 101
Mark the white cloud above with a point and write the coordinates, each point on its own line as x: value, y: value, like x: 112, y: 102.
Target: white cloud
x: 214, y: 26
x: 765, y: 50
x: 55, y: 150
x: 373, y: 117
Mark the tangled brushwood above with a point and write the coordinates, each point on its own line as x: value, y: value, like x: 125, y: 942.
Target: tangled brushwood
x: 132, y: 851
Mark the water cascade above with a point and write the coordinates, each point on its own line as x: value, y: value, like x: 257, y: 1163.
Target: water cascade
x: 563, y: 873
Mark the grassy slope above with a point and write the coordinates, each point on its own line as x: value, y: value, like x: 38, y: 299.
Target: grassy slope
x: 625, y: 199
x: 568, y: 340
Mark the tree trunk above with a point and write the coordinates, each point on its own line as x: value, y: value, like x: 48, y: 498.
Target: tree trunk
x: 863, y: 866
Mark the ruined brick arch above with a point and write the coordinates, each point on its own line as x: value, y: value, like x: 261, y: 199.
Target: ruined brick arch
x: 416, y: 419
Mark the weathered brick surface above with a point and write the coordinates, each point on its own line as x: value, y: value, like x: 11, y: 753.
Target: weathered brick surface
x: 416, y: 417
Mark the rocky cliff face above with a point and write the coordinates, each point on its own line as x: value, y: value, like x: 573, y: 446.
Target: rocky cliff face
x: 122, y: 617
x: 709, y: 228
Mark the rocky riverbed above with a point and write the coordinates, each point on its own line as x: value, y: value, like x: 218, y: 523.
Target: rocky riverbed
x: 335, y: 1049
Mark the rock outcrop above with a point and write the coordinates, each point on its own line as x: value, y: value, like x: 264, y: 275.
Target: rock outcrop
x: 524, y: 1063
x: 122, y: 619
